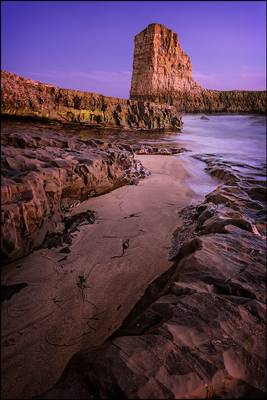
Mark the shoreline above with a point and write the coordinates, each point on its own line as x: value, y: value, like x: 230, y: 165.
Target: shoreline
x: 199, y: 330
x: 54, y: 317
x: 169, y: 273
x: 134, y: 258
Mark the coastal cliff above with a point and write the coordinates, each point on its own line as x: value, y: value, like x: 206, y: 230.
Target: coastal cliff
x: 160, y: 65
x: 162, y: 73
x: 99, y: 298
x: 27, y: 98
x: 211, y: 101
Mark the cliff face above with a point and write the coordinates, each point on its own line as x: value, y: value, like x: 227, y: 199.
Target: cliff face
x: 162, y: 73
x: 160, y: 65
x: 24, y: 97
x: 235, y: 101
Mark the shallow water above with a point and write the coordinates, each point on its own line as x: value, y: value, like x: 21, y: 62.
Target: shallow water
x: 238, y: 138
x: 238, y: 141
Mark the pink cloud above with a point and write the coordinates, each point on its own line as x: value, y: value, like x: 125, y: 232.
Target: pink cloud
x: 240, y: 81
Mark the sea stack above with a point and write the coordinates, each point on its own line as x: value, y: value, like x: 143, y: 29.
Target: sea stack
x: 160, y: 66
x: 162, y: 73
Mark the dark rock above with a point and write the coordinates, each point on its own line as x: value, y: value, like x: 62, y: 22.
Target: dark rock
x: 156, y: 149
x: 65, y: 250
x: 8, y: 291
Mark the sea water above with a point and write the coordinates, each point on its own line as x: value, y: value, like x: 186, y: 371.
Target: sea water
x: 239, y: 141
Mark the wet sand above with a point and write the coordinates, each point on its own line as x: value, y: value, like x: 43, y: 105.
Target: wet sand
x: 76, y: 300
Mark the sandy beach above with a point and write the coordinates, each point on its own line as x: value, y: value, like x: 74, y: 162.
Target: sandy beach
x: 133, y: 200
x: 76, y: 300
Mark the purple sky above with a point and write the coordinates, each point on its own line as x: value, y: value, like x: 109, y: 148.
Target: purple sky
x: 89, y: 45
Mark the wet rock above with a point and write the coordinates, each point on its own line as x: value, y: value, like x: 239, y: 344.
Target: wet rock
x: 227, y: 175
x: 160, y: 149
x: 208, y: 211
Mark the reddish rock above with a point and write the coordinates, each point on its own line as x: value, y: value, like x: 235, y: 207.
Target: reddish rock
x: 200, y: 329
x: 162, y: 72
x: 27, y: 98
x: 204, y: 336
x: 43, y: 175
x: 160, y: 65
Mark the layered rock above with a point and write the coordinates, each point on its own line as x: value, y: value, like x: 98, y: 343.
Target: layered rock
x: 27, y: 98
x: 43, y: 175
x: 200, y: 329
x: 160, y: 66
x: 209, y: 101
x: 162, y: 73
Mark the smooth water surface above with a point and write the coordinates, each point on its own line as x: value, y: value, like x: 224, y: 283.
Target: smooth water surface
x: 239, y: 141
x: 236, y: 137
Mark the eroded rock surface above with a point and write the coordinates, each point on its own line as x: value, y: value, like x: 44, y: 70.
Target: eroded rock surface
x: 27, y: 98
x: 162, y: 72
x: 145, y: 149
x: 78, y: 294
x: 160, y: 65
x: 199, y: 330
x: 44, y: 175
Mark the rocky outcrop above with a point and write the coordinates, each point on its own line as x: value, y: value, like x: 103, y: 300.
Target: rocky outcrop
x: 199, y: 331
x: 209, y: 101
x: 27, y: 98
x: 162, y: 73
x: 44, y: 175
x: 160, y: 65
x: 163, y: 150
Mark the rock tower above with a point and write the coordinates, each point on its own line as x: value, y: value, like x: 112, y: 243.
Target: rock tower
x: 160, y: 68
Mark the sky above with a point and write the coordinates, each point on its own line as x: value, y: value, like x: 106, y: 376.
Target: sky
x: 88, y: 45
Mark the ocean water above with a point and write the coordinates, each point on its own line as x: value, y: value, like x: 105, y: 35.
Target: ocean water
x: 238, y: 141
x: 237, y: 137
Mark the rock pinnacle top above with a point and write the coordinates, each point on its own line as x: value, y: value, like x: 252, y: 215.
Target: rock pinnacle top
x: 161, y: 67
